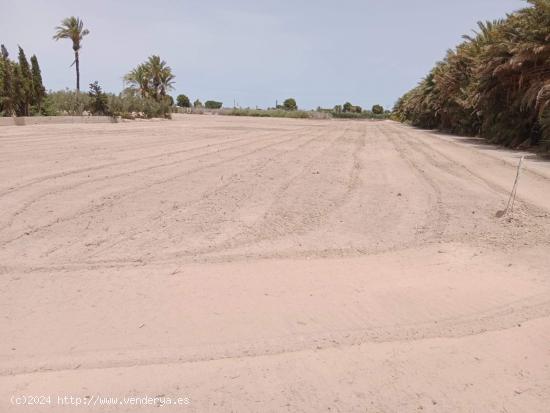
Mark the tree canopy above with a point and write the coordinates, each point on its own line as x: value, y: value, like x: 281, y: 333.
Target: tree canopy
x: 21, y: 88
x: 290, y: 104
x: 212, y: 104
x: 495, y: 84
x: 377, y: 109
x: 152, y: 78
x: 183, y: 101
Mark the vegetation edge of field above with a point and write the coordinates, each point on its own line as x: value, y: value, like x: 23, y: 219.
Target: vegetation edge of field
x: 495, y: 84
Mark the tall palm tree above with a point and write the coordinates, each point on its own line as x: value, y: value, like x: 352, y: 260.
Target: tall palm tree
x: 73, y: 28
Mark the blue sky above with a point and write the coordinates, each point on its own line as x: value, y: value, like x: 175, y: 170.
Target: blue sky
x: 322, y: 52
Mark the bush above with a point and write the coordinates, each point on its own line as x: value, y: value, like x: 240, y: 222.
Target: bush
x: 270, y: 113
x: 129, y: 105
x: 197, y: 104
x: 366, y: 114
x: 212, y: 104
x: 302, y: 114
x: 66, y: 102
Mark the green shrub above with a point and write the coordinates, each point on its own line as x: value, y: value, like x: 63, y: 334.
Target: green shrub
x: 130, y: 105
x: 366, y: 114
x: 212, y: 104
x: 270, y: 113
x: 98, y: 100
x: 67, y: 102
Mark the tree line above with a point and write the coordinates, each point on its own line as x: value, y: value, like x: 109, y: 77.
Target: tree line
x: 21, y: 88
x: 495, y: 84
x: 183, y: 101
x: 146, y: 92
x: 22, y: 92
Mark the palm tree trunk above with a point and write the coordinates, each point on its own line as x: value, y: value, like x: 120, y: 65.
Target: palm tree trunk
x: 77, y: 65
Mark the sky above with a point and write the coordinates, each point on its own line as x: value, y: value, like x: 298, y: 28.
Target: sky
x: 252, y: 52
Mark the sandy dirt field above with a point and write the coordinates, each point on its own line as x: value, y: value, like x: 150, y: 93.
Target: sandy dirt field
x: 271, y: 265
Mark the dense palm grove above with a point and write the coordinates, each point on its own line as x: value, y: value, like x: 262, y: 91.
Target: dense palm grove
x: 495, y: 84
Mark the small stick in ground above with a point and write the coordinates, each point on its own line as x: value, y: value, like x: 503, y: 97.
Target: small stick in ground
x: 512, y: 198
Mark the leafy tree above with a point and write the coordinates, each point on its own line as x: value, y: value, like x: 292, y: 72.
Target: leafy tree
x: 212, y: 104
x: 347, y: 107
x: 197, y: 104
x: 98, y: 100
x: 377, y: 109
x: 183, y: 101
x: 338, y: 109
x: 73, y: 28
x: 38, y: 89
x: 290, y: 104
x: 357, y: 109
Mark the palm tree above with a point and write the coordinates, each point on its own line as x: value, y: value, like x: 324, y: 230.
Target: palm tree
x: 153, y: 78
x: 73, y: 28
x: 160, y: 74
x: 138, y: 79
x: 166, y: 81
x: 496, y: 84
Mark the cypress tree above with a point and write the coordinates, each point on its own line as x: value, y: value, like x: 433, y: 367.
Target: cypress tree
x: 4, y: 51
x: 26, y: 92
x: 1, y: 81
x: 18, y: 91
x: 6, y: 93
x: 38, y: 90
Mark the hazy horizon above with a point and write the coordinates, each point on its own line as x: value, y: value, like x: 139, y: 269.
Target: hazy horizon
x: 253, y: 53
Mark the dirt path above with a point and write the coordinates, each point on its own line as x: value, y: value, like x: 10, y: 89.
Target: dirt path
x: 271, y: 265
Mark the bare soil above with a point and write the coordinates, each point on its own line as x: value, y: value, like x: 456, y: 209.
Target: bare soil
x: 272, y: 265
